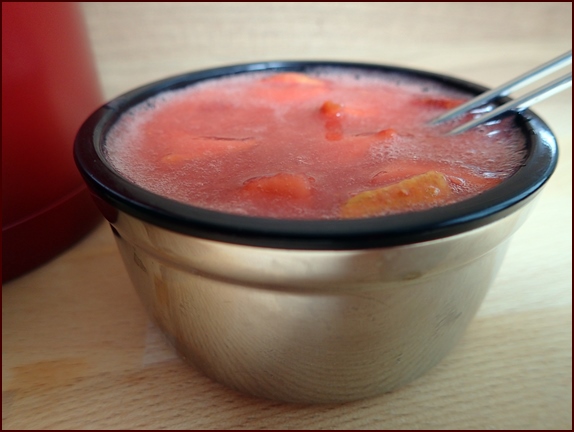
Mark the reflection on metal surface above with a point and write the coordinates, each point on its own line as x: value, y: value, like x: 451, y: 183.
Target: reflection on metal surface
x: 312, y: 326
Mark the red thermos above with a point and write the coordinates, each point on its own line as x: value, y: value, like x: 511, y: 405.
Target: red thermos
x: 49, y: 87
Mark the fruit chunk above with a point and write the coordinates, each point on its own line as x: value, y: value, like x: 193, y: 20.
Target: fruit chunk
x: 398, y: 170
x: 457, y: 176
x: 288, y: 87
x: 439, y: 102
x: 334, y: 109
x: 284, y: 185
x: 385, y: 134
x: 294, y: 78
x: 185, y: 149
x: 334, y: 113
x: 418, y: 192
x: 331, y: 109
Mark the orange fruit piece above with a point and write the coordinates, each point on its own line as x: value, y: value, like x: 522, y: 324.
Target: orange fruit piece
x: 457, y: 176
x: 284, y: 185
x: 419, y: 192
x: 331, y: 109
x: 399, y: 170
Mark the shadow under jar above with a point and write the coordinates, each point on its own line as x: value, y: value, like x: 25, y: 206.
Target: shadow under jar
x: 310, y: 311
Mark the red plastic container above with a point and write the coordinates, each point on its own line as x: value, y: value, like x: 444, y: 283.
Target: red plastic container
x: 49, y: 87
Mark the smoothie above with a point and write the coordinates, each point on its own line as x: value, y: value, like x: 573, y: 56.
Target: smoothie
x: 324, y: 145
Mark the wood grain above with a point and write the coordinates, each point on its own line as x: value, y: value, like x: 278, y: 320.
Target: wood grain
x: 79, y: 351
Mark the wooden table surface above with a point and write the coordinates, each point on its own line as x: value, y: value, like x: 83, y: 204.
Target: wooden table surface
x: 78, y: 350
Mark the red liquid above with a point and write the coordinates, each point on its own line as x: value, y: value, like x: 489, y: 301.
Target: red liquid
x: 309, y: 147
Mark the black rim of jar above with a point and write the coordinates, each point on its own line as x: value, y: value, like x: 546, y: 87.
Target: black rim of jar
x: 108, y: 185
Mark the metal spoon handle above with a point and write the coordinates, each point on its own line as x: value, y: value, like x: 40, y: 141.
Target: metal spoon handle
x: 509, y: 87
x: 520, y: 103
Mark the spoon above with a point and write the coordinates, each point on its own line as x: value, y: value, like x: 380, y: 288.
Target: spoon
x: 515, y: 105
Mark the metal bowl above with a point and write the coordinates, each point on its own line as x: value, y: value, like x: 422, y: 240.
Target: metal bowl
x: 310, y: 311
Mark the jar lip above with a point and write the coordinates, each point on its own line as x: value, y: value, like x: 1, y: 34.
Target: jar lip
x: 108, y: 184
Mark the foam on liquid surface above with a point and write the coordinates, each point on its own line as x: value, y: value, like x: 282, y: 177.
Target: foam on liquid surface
x: 321, y: 138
